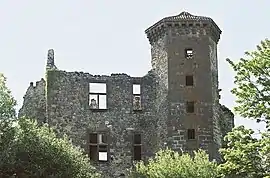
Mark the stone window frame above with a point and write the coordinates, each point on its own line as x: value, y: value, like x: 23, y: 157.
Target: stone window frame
x: 136, y: 145
x: 98, y: 94
x: 97, y: 145
x: 136, y: 95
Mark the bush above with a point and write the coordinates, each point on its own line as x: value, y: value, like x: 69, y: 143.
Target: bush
x: 27, y: 150
x: 170, y: 164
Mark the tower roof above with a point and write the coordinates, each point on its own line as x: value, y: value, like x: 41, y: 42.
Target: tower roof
x: 187, y: 16
x: 183, y: 17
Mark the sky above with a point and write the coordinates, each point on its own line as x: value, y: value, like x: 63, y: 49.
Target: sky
x: 105, y: 36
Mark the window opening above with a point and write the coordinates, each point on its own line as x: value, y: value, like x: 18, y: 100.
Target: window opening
x: 103, y: 153
x: 189, y: 80
x: 190, y: 107
x: 189, y: 53
x: 97, y: 96
x: 137, y: 147
x: 93, y: 147
x: 137, y: 104
x: 191, y: 134
x: 98, y: 147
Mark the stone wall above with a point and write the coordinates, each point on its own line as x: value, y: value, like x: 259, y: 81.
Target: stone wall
x: 159, y: 63
x: 226, y: 122
x: 34, y: 103
x: 69, y: 112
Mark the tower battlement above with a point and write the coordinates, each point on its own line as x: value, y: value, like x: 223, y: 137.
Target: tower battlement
x: 186, y: 24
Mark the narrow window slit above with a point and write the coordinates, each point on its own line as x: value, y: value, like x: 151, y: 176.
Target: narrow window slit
x: 189, y: 80
x: 190, y: 108
x: 191, y: 134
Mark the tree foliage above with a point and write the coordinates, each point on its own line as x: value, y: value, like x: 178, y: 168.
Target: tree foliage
x: 31, y: 150
x: 28, y: 150
x: 7, y: 102
x: 253, y: 83
x: 245, y: 156
x: 170, y: 164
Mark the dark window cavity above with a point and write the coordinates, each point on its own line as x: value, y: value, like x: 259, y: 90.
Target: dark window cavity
x: 190, y: 107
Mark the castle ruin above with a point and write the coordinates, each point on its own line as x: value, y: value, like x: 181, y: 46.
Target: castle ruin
x: 119, y: 119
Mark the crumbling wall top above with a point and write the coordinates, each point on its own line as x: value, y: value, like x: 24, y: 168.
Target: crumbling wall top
x: 50, y: 60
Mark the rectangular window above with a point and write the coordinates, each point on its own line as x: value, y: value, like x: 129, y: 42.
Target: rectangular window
x: 137, y: 147
x: 190, y: 107
x: 98, y: 147
x: 189, y: 53
x: 189, y: 80
x: 98, y: 96
x: 191, y: 134
x: 136, y: 89
x: 93, y: 147
x: 137, y: 104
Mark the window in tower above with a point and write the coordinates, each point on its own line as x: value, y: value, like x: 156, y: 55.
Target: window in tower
x: 190, y: 107
x: 189, y: 53
x: 191, y: 134
x: 189, y: 80
x: 97, y: 96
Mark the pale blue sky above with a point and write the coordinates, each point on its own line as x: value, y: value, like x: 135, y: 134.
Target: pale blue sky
x: 105, y: 36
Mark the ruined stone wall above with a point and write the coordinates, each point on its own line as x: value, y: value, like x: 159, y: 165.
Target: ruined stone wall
x: 215, y: 97
x: 69, y: 112
x: 226, y: 122
x: 34, y: 103
x: 159, y: 63
x: 162, y: 118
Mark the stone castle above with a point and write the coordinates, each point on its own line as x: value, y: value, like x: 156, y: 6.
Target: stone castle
x: 118, y: 119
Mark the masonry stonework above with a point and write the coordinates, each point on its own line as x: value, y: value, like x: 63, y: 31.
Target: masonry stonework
x: 181, y: 46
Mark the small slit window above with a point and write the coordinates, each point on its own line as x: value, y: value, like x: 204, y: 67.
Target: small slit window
x: 137, y: 103
x: 189, y: 80
x: 191, y: 134
x: 97, y: 96
x: 98, y: 147
x: 190, y: 107
x: 189, y: 53
x: 137, y: 147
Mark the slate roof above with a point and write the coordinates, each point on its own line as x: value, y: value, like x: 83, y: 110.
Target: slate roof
x: 187, y: 16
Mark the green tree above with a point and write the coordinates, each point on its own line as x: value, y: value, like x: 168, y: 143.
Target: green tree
x: 170, y: 164
x: 7, y: 102
x: 36, y: 151
x: 29, y: 150
x: 246, y: 156
x: 253, y: 83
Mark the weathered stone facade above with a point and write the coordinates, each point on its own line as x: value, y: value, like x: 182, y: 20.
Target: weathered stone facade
x: 177, y: 105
